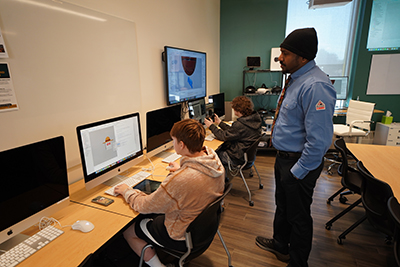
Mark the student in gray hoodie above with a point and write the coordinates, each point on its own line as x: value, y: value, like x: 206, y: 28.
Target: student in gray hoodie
x: 238, y: 137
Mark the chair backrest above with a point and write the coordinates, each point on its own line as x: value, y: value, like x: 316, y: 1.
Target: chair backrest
x: 351, y: 178
x: 375, y: 195
x: 203, y: 229
x: 251, y: 152
x: 360, y: 110
x: 394, y: 210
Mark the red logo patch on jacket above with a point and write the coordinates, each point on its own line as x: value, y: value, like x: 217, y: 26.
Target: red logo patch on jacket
x: 320, y: 105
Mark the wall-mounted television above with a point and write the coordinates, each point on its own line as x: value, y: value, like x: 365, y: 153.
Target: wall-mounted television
x: 185, y: 74
x: 384, y: 27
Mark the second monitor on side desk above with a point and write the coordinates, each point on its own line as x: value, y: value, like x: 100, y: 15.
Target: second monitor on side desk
x: 158, y: 125
x: 218, y: 101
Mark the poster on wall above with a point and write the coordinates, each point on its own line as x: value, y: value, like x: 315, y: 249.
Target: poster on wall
x: 3, y: 51
x: 8, y: 100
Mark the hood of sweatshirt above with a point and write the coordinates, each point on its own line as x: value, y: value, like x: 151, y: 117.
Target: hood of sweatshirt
x: 208, y: 164
x: 252, y: 121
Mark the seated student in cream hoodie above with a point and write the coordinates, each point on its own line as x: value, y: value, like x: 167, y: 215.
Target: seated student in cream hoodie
x: 191, y: 185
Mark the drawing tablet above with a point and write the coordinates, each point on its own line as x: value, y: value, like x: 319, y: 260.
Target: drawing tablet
x: 147, y: 186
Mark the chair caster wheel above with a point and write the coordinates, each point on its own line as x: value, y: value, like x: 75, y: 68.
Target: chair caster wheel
x: 340, y: 241
x: 328, y: 227
x: 251, y: 203
x: 261, y: 186
x: 328, y: 201
x: 343, y: 199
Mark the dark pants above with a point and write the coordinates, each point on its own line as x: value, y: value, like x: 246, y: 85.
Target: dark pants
x: 293, y: 224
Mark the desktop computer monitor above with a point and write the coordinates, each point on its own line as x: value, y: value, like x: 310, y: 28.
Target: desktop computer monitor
x: 34, y: 184
x: 218, y: 100
x: 159, y: 123
x: 340, y: 83
x: 197, y: 109
x: 109, y: 147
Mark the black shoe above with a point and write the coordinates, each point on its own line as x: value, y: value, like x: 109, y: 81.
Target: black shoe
x: 268, y: 245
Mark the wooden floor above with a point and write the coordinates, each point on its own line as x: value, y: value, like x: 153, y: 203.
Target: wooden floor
x: 241, y: 224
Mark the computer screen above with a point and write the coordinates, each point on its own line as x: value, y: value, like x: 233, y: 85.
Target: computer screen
x: 158, y: 125
x: 34, y: 184
x: 218, y: 101
x: 185, y: 74
x: 341, y: 86
x: 197, y: 109
x: 109, y: 147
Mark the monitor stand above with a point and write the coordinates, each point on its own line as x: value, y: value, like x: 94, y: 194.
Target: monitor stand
x: 164, y: 154
x: 12, y: 242
x: 115, y: 180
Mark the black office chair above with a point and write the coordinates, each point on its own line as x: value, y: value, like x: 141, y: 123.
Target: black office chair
x: 394, y: 211
x: 249, y: 157
x: 344, y: 170
x: 375, y: 195
x: 199, y: 234
x: 351, y: 179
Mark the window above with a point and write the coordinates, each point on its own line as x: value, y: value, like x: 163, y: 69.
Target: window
x: 335, y: 29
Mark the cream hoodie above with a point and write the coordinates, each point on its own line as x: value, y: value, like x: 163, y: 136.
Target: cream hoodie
x: 184, y: 193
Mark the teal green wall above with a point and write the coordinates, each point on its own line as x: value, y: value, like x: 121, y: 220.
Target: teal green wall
x: 361, y: 65
x: 249, y: 28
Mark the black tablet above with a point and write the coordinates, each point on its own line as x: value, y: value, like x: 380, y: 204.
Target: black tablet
x: 147, y: 186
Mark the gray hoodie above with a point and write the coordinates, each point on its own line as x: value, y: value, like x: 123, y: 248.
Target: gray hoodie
x: 238, y: 137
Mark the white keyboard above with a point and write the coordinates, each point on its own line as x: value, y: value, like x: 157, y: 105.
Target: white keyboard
x: 209, y: 137
x: 171, y: 158
x: 130, y: 181
x: 29, y: 246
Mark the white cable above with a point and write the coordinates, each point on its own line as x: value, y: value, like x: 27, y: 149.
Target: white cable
x: 45, y: 221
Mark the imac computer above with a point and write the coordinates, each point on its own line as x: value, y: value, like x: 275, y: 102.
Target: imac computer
x: 185, y: 74
x: 218, y: 101
x: 197, y: 110
x: 109, y: 147
x: 159, y: 123
x: 38, y: 174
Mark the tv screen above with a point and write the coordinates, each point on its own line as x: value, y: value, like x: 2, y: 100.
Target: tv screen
x: 384, y: 27
x: 185, y: 74
x: 109, y: 147
x: 158, y: 125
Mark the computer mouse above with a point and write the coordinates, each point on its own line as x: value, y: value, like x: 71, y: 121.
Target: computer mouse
x: 83, y: 226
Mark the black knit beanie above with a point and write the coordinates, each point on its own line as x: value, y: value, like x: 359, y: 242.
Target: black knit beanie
x: 302, y: 42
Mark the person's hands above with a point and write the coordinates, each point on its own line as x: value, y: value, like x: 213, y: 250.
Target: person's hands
x: 208, y: 122
x: 217, y: 119
x: 173, y: 166
x: 120, y: 189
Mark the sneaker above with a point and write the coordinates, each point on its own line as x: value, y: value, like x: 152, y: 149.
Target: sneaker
x: 268, y: 245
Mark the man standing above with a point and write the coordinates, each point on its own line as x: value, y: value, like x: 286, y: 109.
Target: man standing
x: 302, y: 133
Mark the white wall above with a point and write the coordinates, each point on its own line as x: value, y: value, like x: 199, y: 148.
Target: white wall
x: 190, y: 24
